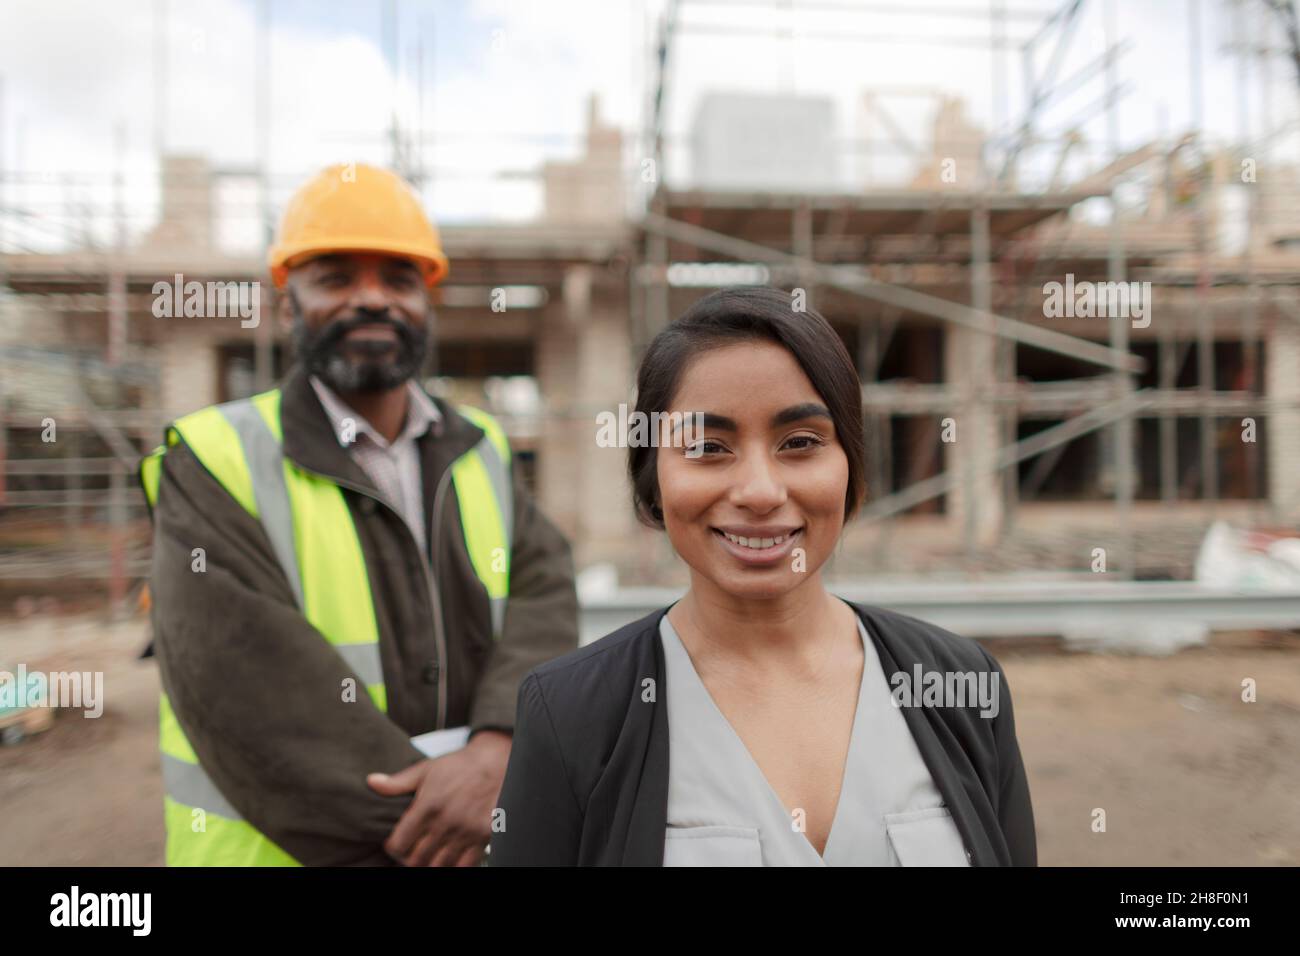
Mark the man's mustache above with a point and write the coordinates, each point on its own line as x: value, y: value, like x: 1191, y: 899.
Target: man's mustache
x: 337, y: 330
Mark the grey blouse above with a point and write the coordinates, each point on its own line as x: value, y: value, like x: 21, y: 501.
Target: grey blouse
x: 723, y: 812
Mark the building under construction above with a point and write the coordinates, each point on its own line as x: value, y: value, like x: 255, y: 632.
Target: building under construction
x: 1004, y: 434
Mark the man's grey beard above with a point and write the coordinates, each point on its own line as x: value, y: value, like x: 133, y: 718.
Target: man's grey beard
x: 363, y: 366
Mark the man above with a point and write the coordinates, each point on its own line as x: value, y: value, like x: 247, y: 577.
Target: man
x: 342, y: 564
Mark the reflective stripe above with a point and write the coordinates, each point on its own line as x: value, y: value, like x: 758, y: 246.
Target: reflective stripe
x: 480, y: 521
x: 492, y: 430
x: 187, y: 784
x: 266, y: 475
x: 195, y: 838
x: 216, y: 444
x: 364, y: 661
x: 479, y: 475
x: 268, y: 405
x: 499, y: 473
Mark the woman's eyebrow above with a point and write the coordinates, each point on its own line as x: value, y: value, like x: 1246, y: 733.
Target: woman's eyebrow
x: 797, y: 413
x: 707, y: 419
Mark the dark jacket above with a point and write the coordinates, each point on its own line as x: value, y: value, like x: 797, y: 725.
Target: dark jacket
x: 256, y: 688
x: 588, y: 777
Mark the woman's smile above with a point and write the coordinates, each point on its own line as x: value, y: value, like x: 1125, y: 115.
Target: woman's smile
x: 758, y: 546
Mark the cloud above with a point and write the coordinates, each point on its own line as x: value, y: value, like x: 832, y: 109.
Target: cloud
x: 506, y: 86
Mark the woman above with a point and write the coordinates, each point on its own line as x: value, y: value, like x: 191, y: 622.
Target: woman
x: 761, y: 719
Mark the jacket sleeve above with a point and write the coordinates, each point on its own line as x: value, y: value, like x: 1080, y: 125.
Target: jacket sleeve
x: 541, y: 619
x: 1015, y: 810
x: 541, y: 823
x: 257, y: 690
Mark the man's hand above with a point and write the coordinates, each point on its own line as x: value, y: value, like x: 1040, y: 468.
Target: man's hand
x: 449, y: 822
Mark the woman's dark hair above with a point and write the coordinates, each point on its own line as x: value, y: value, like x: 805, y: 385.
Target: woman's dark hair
x: 735, y: 315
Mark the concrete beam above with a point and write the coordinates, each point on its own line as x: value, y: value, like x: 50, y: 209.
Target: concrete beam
x: 855, y: 281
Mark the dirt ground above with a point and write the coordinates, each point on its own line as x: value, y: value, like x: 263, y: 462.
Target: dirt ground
x: 1187, y: 773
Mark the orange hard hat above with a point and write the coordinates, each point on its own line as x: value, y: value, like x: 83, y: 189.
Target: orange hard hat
x: 352, y: 207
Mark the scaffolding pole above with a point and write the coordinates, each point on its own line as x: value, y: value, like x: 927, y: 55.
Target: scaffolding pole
x: 263, y: 340
x: 1125, y: 563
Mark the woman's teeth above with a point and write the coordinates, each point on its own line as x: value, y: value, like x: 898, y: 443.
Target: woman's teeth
x: 754, y: 542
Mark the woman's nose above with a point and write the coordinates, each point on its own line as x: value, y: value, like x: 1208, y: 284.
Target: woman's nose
x: 758, y: 485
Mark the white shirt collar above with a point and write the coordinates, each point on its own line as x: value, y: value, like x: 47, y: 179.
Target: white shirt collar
x: 421, y: 416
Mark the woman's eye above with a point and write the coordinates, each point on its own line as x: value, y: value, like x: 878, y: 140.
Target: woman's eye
x: 705, y: 447
x: 803, y: 442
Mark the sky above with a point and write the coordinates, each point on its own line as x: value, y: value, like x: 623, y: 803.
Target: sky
x: 493, y: 88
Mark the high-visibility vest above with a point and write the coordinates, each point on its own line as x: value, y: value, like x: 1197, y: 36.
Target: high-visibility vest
x: 315, y: 541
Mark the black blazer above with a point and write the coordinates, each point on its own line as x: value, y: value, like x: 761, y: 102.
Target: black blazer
x: 587, y: 782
